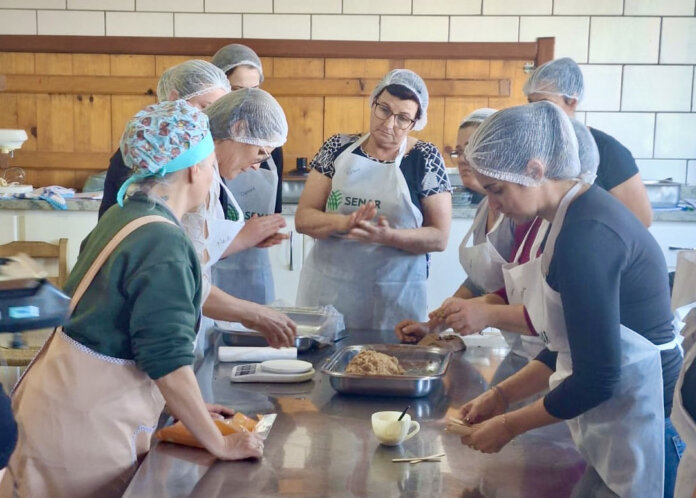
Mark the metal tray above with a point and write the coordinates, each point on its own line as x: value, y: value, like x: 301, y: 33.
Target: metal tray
x: 255, y: 339
x: 424, y: 366
x: 314, y: 326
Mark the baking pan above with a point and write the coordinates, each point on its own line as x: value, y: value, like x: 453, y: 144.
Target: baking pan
x: 315, y: 327
x: 424, y: 366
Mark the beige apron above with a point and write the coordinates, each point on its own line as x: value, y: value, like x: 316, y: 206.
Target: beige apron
x: 84, y: 419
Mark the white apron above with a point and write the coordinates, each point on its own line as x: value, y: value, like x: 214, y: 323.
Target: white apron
x: 211, y: 234
x: 247, y: 275
x: 373, y: 286
x: 623, y: 437
x: 85, y: 419
x: 484, y: 265
x: 482, y: 262
x: 685, y: 292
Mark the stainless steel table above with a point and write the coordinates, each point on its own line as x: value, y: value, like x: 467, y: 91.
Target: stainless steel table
x: 322, y: 443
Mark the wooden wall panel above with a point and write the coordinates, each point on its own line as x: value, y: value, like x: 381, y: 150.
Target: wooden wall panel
x: 343, y: 115
x: 124, y: 107
x: 91, y: 64
x: 434, y: 69
x: 93, y: 120
x: 27, y: 119
x: 55, y: 123
x: 514, y: 71
x: 434, y: 129
x: 298, y: 68
x: 16, y: 63
x: 8, y: 116
x: 54, y: 64
x: 468, y: 69
x: 267, y: 64
x: 133, y: 65
x: 456, y: 109
x: 164, y: 62
x: 74, y: 105
x: 356, y: 68
x: 306, y: 134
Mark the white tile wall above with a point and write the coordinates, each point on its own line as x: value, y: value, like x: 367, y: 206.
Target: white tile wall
x: 421, y: 28
x: 674, y: 135
x: 522, y: 7
x: 624, y: 40
x: 18, y: 22
x: 691, y: 173
x: 678, y: 40
x: 241, y: 6
x: 659, y: 169
x: 288, y: 26
x: 659, y: 8
x: 447, y: 7
x: 101, y: 4
x: 345, y: 27
x: 484, y: 29
x: 32, y: 4
x: 657, y: 88
x: 570, y: 32
x: 208, y: 25
x: 70, y: 22
x: 307, y: 6
x: 374, y: 7
x: 693, y: 99
x: 602, y: 87
x: 634, y: 129
x: 587, y: 7
x: 169, y: 5
x: 139, y: 24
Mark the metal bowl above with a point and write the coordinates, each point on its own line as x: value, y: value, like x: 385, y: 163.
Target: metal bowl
x: 424, y: 366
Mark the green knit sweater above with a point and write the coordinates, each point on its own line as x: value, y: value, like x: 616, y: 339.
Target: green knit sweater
x: 144, y: 303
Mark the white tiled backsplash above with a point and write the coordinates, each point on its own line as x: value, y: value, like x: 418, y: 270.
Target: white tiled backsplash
x: 637, y: 56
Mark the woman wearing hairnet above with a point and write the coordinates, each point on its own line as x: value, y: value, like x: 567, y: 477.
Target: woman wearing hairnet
x: 246, y: 126
x: 599, y: 299
x: 377, y: 204
x: 196, y: 81
x: 495, y: 243
x: 560, y: 81
x: 248, y: 275
x: 89, y: 402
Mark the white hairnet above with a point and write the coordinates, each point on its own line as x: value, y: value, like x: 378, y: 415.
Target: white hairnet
x: 414, y: 83
x: 503, y: 145
x: 478, y: 116
x: 249, y: 115
x: 587, y: 152
x: 231, y: 56
x: 561, y: 77
x: 190, y: 79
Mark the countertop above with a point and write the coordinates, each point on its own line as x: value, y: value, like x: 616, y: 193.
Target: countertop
x: 322, y: 443
x: 458, y: 212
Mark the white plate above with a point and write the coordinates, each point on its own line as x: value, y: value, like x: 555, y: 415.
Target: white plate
x: 286, y: 366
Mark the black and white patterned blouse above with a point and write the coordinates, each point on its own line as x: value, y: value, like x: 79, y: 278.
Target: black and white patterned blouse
x: 423, y: 166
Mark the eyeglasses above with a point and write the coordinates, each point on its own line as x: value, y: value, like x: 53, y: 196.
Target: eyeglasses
x: 401, y: 121
x: 266, y: 156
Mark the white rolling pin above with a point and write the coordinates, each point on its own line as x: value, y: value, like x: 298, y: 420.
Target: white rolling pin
x: 239, y: 353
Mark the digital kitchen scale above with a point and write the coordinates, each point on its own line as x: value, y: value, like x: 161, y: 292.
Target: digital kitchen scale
x: 273, y: 371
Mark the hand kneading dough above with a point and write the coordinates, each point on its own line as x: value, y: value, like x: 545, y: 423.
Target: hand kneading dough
x: 374, y: 363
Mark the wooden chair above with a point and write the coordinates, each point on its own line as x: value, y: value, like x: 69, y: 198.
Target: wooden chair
x: 20, y: 357
x: 42, y: 251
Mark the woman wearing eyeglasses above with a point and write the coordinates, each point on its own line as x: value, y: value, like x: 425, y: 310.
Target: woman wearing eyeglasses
x: 377, y: 204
